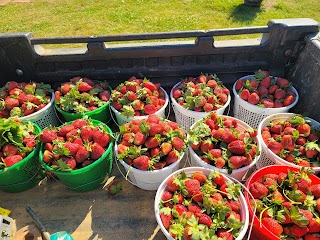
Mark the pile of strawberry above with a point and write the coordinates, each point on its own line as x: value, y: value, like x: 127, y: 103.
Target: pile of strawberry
x: 151, y: 144
x: 294, y: 140
x: 218, y: 141
x: 288, y: 204
x: 82, y: 95
x: 18, y: 139
x: 74, y: 145
x: 266, y: 91
x: 201, y: 207
x: 201, y: 94
x: 138, y: 97
x: 22, y: 99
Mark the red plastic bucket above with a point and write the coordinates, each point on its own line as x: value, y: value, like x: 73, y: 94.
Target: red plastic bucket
x: 260, y: 232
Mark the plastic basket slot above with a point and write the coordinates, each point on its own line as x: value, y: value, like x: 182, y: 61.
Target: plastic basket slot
x: 251, y: 118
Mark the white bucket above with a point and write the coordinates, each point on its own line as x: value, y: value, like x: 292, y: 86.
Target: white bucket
x: 236, y: 173
x: 252, y: 114
x: 5, y: 228
x: 189, y: 171
x: 186, y: 118
x: 267, y: 156
x: 121, y: 119
x: 45, y: 117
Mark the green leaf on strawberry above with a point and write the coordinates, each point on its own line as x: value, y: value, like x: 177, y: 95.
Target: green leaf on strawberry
x: 62, y: 166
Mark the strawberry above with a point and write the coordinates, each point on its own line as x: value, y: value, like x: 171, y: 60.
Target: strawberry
x: 304, y: 129
x: 236, y: 162
x: 275, y: 147
x: 11, y: 160
x: 272, y: 225
x: 282, y: 82
x: 96, y: 151
x: 277, y: 104
x: 237, y: 147
x: 86, y: 133
x: 84, y: 87
x: 65, y: 129
x: 72, y: 147
x: 149, y: 109
x: 152, y: 142
x: 114, y: 187
x: 47, y: 136
x: 288, y: 100
x: 280, y: 93
x: 268, y: 103
x: 312, y: 236
x: 299, y: 231
x: 11, y: 85
x: 266, y: 82
x: 166, y: 147
x: 179, y: 208
x: 314, y: 225
x: 79, y: 123
x: 191, y: 186
x: 224, y: 234
x: 273, y: 89
x: 318, y: 204
x: 201, y: 177
x: 206, y: 145
x: 315, y: 190
x: 10, y: 103
x: 173, y: 184
x: 71, y: 162
x: 101, y: 138
x: 288, y: 143
x: 139, y: 138
x: 172, y: 157
x: 28, y: 108
x: 72, y: 134
x: 205, y: 219
x: 9, y: 150
x: 143, y: 162
x: 150, y: 86
x: 239, y: 85
x: 65, y: 88
x: 258, y: 190
x: 245, y: 94
x: 178, y: 143
x: 47, y: 156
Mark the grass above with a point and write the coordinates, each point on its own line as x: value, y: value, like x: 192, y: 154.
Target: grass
x: 97, y: 17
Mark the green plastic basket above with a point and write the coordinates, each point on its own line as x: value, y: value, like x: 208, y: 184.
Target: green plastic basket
x: 101, y: 114
x: 25, y: 174
x: 89, y: 177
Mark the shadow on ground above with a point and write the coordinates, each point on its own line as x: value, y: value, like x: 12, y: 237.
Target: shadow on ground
x: 244, y: 13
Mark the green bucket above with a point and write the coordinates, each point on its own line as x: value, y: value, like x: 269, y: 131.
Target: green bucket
x: 89, y: 177
x: 25, y: 174
x: 101, y: 114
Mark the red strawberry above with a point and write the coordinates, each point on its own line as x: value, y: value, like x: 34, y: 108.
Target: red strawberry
x: 311, y: 236
x: 84, y: 87
x: 79, y: 123
x: 65, y: 129
x: 11, y: 103
x: 47, y: 136
x: 9, y: 150
x: 82, y: 154
x: 72, y: 134
x: 205, y: 219
x: 166, y: 196
x: 114, y: 187
x: 277, y: 104
x: 104, y: 95
x: 197, y: 196
x: 245, y: 94
x: 288, y: 143
x: 258, y: 190
x: 201, y: 177
x: 266, y: 82
x: 236, y: 162
x: 96, y: 151
x: 304, y: 129
x: 273, y: 89
x: 65, y: 88
x: 239, y: 85
x: 149, y: 109
x: 180, y: 209
x: 139, y: 139
x: 72, y: 163
x: 178, y: 143
x: 166, y: 217
x: 102, y: 138
x: 86, y: 133
x: 254, y: 98
x: 30, y: 142
x: 237, y: 147
x: 152, y: 142
x: 314, y: 225
x: 318, y: 204
x: 192, y: 186
x: 11, y: 85
x: 173, y: 184
x: 150, y: 86
x: 72, y: 147
x: 299, y: 231
x: 288, y: 100
x: 11, y: 160
x: 272, y: 225
x: 315, y: 190
x: 142, y: 163
x: 172, y: 157
x: 176, y: 93
x: 282, y: 82
x: 47, y: 156
x: 206, y: 145
x: 262, y: 91
x: 224, y: 234
x: 275, y: 147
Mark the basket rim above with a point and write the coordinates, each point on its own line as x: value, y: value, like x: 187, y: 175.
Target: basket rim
x: 143, y: 116
x: 190, y: 170
x: 264, y: 146
x: 255, y: 107
x: 81, y: 170
x: 37, y: 113
x: 31, y: 154
x: 258, y: 141
x: 191, y: 111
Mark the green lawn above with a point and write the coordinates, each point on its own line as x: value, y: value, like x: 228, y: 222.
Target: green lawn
x: 97, y: 17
